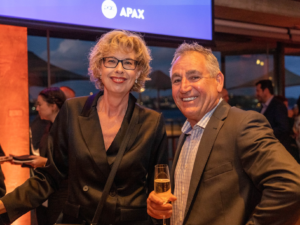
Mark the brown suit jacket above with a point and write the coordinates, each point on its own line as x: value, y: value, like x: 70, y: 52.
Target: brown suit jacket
x: 242, y: 174
x: 78, y: 153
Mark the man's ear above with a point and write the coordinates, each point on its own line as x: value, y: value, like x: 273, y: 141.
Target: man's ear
x: 220, y: 81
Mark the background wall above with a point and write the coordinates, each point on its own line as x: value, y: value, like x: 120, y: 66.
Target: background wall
x: 14, y: 106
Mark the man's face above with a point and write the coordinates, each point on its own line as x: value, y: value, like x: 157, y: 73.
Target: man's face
x: 194, y: 91
x: 260, y: 94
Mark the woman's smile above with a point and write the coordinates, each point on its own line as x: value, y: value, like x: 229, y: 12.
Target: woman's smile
x: 118, y: 80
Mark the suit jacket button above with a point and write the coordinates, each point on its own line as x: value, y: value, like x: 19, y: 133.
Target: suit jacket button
x: 85, y: 188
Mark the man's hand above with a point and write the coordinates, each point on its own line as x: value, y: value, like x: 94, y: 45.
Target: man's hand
x: 156, y: 207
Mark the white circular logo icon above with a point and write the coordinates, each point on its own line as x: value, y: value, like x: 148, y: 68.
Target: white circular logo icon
x: 109, y: 9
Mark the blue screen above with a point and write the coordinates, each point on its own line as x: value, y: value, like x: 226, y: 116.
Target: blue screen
x: 180, y: 18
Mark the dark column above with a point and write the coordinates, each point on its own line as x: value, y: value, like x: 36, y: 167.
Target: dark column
x: 279, y: 70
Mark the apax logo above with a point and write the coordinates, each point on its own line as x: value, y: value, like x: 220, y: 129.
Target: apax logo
x: 109, y: 9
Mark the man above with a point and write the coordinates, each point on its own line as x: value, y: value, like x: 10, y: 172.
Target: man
x: 225, y: 95
x: 228, y: 168
x: 274, y: 110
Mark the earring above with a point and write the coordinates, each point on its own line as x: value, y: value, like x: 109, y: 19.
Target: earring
x: 136, y: 81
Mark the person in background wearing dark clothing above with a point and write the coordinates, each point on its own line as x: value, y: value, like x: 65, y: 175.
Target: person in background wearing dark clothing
x: 292, y: 148
x: 38, y: 125
x: 48, y: 104
x: 274, y: 110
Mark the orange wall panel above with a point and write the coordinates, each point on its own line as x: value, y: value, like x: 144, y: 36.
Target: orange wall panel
x: 14, y: 113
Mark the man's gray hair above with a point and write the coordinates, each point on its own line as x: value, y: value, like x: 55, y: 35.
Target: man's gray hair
x: 212, y: 64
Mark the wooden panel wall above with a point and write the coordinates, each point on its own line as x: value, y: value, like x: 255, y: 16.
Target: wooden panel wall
x: 14, y: 106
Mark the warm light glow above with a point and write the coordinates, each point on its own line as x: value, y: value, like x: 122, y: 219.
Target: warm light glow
x: 262, y: 63
x: 258, y: 62
x: 91, y: 93
x: 14, y: 113
x: 142, y: 90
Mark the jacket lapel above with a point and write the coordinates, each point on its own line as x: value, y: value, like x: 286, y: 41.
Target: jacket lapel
x: 135, y: 114
x: 175, y: 159
x: 207, y: 141
x: 92, y: 133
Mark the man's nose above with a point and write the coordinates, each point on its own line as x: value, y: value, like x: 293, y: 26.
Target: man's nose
x: 185, y: 86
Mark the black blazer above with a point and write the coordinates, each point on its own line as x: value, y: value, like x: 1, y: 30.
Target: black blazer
x: 79, y: 154
x: 276, y: 114
x: 242, y: 174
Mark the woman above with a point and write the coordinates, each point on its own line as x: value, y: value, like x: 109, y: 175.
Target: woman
x: 87, y: 135
x: 48, y: 104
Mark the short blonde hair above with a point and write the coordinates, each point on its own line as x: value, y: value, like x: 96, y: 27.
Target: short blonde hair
x: 212, y: 64
x: 120, y: 40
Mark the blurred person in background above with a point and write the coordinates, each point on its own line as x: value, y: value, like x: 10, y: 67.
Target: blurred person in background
x: 274, y: 110
x: 38, y: 126
x: 296, y: 136
x: 86, y: 136
x: 48, y: 104
x: 290, y: 138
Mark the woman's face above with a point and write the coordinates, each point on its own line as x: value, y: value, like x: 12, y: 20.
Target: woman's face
x: 44, y: 108
x: 118, y: 80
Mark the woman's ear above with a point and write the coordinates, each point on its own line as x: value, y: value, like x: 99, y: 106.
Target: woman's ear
x: 54, y: 107
x: 138, y: 74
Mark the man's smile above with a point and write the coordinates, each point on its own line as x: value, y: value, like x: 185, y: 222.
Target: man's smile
x: 188, y: 99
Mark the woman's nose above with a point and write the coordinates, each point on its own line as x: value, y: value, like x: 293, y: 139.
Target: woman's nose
x: 119, y: 66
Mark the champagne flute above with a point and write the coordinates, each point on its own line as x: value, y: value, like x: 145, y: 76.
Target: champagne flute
x: 162, y: 185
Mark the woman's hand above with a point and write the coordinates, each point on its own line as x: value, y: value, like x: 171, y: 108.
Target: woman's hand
x: 2, y: 208
x: 37, y: 161
x: 157, y: 208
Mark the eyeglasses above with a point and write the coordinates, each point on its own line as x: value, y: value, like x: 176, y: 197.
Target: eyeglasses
x: 112, y: 62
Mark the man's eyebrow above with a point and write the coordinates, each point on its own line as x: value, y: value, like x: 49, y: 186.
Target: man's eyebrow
x: 193, y: 72
x: 174, y: 75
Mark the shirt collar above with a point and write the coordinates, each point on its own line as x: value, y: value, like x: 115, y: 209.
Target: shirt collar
x: 268, y: 101
x: 187, y: 128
